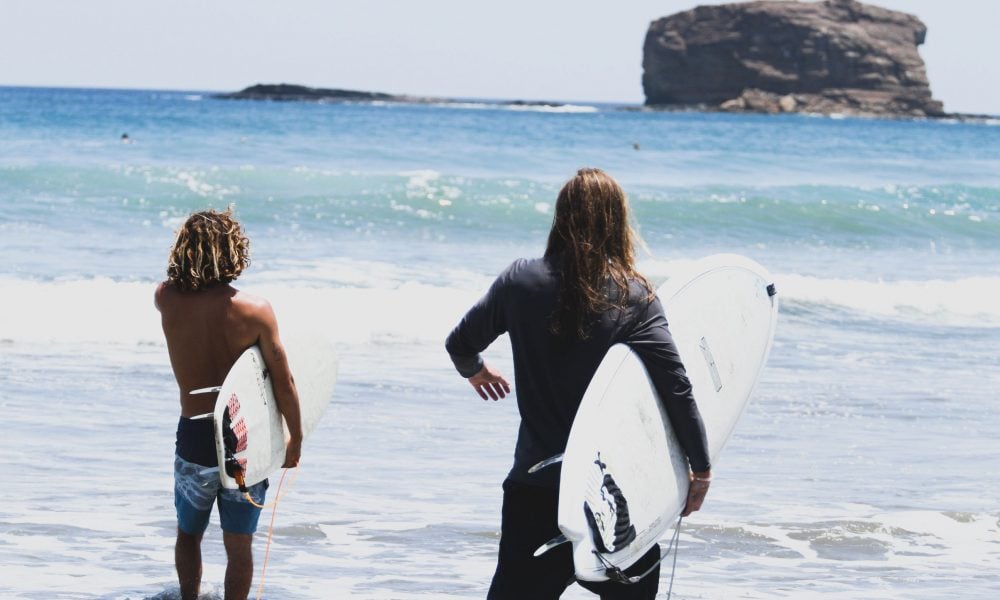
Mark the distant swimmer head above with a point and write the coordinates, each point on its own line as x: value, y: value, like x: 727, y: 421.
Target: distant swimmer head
x: 210, y: 248
x: 593, y: 243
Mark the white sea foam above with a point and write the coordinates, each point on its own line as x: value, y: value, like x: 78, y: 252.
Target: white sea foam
x: 555, y: 108
x: 545, y: 108
x: 373, y: 302
x: 894, y: 550
x: 103, y: 311
x: 969, y: 301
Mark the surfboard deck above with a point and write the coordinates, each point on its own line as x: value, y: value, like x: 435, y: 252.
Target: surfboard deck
x: 624, y: 478
x: 246, y: 414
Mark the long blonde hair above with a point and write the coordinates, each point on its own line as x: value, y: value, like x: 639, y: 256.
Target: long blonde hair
x: 593, y: 245
x: 210, y: 248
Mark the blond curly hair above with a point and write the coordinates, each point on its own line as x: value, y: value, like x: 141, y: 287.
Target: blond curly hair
x: 210, y: 248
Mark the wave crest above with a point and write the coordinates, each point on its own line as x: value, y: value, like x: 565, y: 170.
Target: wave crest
x: 402, y: 308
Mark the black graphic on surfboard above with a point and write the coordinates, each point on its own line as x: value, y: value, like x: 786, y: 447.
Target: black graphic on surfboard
x: 606, y: 510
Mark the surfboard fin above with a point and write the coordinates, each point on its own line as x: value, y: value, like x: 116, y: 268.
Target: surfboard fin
x: 559, y: 540
x: 207, y: 390
x: 548, y: 461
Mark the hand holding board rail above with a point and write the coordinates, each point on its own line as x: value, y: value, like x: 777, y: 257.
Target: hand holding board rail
x: 624, y: 478
x: 249, y: 431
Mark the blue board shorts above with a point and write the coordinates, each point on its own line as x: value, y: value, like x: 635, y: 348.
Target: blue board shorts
x: 197, y: 488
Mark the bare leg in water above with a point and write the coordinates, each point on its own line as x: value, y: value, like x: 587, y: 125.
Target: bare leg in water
x: 239, y: 570
x: 187, y: 558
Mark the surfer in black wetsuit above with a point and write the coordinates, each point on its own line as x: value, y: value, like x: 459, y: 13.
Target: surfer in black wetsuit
x: 208, y: 324
x: 563, y: 312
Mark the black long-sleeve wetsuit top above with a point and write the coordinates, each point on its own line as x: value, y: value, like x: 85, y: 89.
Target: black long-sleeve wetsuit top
x: 551, y: 374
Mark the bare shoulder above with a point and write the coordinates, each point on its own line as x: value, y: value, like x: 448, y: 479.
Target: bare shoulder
x: 254, y: 308
x: 163, y: 294
x: 256, y: 312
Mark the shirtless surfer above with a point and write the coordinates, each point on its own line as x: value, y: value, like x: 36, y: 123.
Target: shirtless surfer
x: 208, y: 324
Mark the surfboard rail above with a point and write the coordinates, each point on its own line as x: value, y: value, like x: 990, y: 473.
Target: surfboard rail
x: 624, y: 477
x: 250, y: 433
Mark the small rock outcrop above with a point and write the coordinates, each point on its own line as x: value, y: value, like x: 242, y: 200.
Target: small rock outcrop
x: 289, y: 92
x: 834, y: 56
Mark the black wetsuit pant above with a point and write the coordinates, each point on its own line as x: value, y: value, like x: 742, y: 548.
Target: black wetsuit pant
x: 530, y: 515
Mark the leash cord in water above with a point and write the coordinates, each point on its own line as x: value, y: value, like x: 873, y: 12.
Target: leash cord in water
x: 270, y: 530
x: 675, y: 545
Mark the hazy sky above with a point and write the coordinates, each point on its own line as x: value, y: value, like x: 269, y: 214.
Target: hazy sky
x: 531, y: 49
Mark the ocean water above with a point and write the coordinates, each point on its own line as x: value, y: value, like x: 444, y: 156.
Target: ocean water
x: 865, y: 466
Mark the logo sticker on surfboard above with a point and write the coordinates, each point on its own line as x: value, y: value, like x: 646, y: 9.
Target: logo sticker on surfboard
x: 234, y: 431
x: 606, y: 510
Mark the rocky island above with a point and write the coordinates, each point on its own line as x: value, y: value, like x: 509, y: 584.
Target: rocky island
x: 286, y: 92
x: 772, y: 56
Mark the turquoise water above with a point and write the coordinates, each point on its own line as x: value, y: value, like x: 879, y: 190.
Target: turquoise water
x: 862, y: 468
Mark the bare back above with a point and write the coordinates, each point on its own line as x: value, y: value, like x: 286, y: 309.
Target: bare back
x: 206, y: 332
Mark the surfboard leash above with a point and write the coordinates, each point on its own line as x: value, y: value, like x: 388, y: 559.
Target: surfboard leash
x: 278, y: 495
x: 241, y: 482
x: 673, y: 568
x: 270, y: 529
x: 616, y: 573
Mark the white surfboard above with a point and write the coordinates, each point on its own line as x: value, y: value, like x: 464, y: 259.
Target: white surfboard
x: 722, y: 313
x: 246, y: 412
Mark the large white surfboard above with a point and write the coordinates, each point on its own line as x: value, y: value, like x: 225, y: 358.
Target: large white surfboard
x: 722, y: 313
x: 246, y: 412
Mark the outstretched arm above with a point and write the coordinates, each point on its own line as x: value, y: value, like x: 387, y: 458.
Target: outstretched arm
x: 477, y: 330
x: 282, y: 382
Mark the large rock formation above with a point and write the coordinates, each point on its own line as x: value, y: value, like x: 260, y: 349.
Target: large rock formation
x: 835, y: 56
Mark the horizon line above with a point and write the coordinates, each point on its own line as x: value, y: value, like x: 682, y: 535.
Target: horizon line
x: 229, y: 91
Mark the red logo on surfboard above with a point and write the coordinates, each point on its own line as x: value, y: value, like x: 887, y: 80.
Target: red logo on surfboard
x: 234, y: 431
